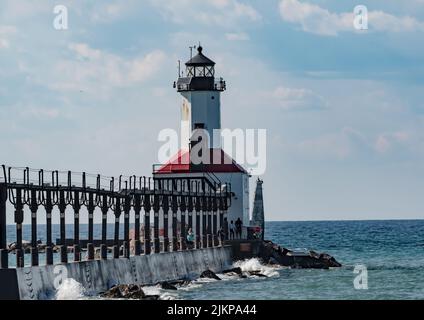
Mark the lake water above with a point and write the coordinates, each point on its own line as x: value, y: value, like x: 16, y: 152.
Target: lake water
x: 391, y: 251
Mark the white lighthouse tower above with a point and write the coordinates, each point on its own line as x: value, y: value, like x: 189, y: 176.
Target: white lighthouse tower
x: 201, y: 109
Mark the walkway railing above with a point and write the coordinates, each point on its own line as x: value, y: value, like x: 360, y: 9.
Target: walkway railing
x: 134, y: 197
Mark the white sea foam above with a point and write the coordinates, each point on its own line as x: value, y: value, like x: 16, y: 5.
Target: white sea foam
x: 70, y: 289
x: 227, y: 277
x: 156, y: 290
x: 255, y: 265
x: 205, y: 280
x: 191, y: 286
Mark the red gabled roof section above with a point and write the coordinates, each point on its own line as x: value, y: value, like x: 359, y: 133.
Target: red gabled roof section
x: 180, y: 163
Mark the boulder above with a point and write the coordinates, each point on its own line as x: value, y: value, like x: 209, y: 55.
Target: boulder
x: 180, y: 283
x: 236, y: 270
x: 113, y: 293
x: 272, y: 261
x: 274, y: 254
x: 127, y: 291
x: 167, y: 286
x: 257, y: 274
x: 151, y: 297
x: 209, y: 274
x: 329, y: 260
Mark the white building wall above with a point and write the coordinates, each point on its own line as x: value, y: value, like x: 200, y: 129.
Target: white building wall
x: 201, y: 107
x: 240, y: 202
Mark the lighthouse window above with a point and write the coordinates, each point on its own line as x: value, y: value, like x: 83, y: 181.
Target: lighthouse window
x: 199, y: 126
x: 190, y: 71
x: 200, y: 71
x: 209, y: 71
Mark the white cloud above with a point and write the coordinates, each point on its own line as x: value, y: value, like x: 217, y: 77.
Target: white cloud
x: 327, y: 145
x: 19, y: 10
x: 84, y: 51
x: 386, y: 141
x: 4, y: 43
x: 381, y: 21
x: 5, y: 33
x: 341, y: 144
x: 244, y: 10
x: 94, y: 69
x: 237, y: 36
x: 296, y: 98
x: 208, y: 12
x: 314, y: 19
x: 382, y: 144
x: 110, y: 11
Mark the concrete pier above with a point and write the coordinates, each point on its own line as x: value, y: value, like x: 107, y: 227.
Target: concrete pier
x: 40, y: 282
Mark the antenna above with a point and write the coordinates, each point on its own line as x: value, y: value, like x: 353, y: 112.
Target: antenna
x: 179, y: 68
x: 191, y: 51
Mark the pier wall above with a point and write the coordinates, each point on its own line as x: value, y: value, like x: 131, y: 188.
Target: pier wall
x: 96, y: 276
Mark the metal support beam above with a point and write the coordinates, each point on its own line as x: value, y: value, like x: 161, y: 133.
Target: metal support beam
x: 49, y: 244
x: 34, y: 244
x: 105, y: 209
x: 90, y: 209
x: 127, y: 208
x: 117, y: 213
x: 165, y: 206
x: 156, y: 207
x: 147, y: 208
x: 63, y: 247
x: 137, y: 210
x: 174, y: 223
x: 171, y: 198
x: 4, y: 256
x: 19, y: 218
x: 77, y: 207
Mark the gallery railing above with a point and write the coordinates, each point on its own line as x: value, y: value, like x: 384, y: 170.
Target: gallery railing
x: 133, y: 197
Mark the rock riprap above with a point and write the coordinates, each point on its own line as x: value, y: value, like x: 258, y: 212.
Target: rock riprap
x: 272, y: 253
x: 127, y: 291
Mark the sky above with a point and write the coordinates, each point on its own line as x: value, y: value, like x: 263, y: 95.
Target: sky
x: 343, y: 108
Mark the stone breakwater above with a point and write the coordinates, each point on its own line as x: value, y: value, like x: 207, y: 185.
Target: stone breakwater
x: 136, y: 292
x: 98, y: 276
x: 271, y: 253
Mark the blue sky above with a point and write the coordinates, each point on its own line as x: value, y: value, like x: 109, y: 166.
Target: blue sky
x: 343, y: 108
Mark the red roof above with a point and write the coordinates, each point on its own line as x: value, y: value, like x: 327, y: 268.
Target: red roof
x: 180, y: 163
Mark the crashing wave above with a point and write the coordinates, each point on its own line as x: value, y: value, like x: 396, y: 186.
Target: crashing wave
x: 251, y: 265
x: 70, y: 289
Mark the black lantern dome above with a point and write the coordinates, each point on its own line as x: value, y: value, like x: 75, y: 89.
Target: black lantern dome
x: 200, y: 65
x: 200, y: 75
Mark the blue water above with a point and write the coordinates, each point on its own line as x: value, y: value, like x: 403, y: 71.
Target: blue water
x: 392, y: 251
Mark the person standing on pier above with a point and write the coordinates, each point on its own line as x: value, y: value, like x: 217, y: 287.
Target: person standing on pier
x: 225, y: 228
x: 190, y: 239
x: 238, y: 228
x: 232, y: 230
x: 220, y: 234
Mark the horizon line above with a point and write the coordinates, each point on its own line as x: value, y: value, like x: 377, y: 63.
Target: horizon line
x: 335, y: 220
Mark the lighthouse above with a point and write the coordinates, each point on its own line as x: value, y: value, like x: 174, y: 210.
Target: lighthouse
x: 201, y: 105
x: 201, y: 112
